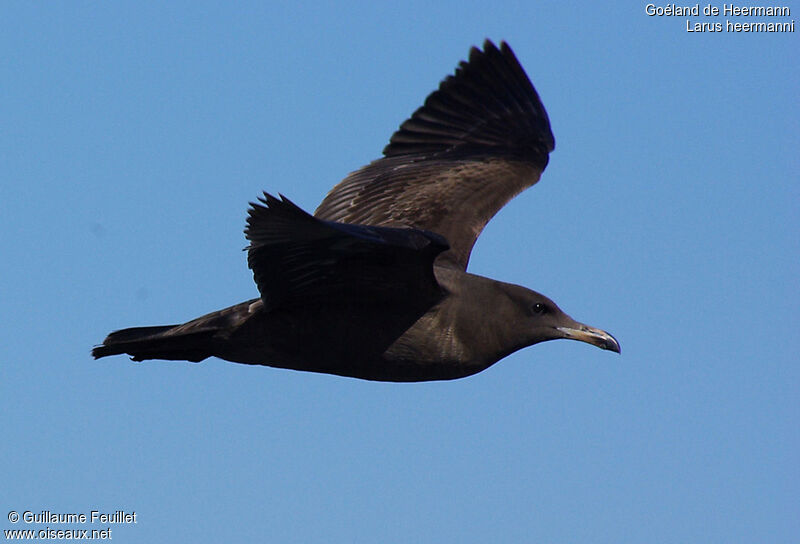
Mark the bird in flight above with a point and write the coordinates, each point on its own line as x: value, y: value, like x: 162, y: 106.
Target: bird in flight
x: 374, y: 285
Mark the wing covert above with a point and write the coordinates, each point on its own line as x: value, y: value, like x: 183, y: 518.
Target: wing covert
x: 477, y: 141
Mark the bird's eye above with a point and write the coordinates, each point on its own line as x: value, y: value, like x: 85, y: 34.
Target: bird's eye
x: 538, y: 308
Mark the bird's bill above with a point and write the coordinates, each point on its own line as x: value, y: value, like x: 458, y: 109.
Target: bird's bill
x: 590, y: 335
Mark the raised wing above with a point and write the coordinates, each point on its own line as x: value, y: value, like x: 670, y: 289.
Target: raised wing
x: 478, y: 141
x: 299, y: 260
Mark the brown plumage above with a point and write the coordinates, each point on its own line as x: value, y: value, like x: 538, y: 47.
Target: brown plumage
x: 374, y: 285
x: 476, y: 143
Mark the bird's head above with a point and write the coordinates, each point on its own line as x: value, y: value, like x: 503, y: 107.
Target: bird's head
x: 536, y: 319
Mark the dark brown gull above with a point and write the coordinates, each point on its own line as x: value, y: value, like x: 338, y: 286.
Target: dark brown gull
x: 374, y: 284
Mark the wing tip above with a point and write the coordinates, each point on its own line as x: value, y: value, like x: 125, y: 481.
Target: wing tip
x: 487, y: 106
x: 271, y: 215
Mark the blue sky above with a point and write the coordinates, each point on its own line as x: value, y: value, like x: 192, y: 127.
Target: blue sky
x: 133, y: 135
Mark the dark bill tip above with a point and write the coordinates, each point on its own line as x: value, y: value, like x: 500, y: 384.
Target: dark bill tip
x: 590, y: 335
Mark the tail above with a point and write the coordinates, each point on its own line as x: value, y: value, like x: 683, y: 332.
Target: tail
x: 194, y: 341
x: 170, y: 342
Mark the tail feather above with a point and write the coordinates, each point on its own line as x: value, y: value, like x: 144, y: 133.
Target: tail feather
x: 170, y: 342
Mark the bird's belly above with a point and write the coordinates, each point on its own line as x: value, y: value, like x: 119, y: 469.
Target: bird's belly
x: 370, y: 345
